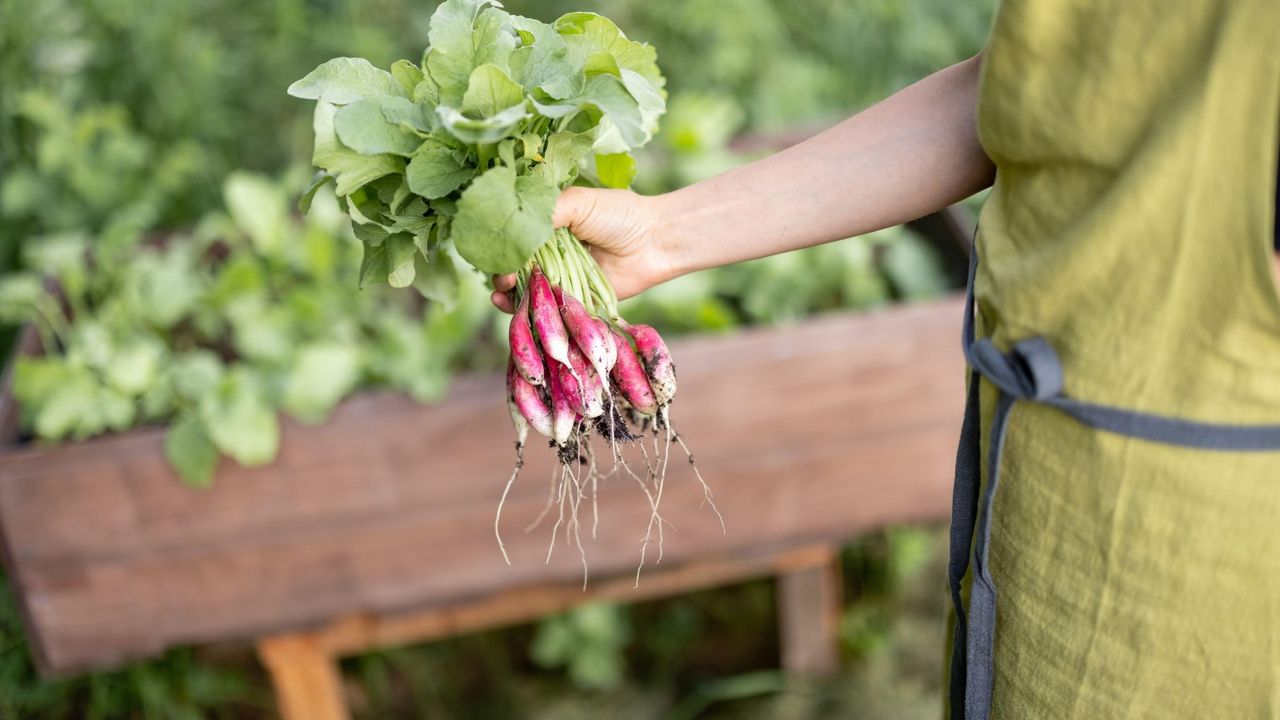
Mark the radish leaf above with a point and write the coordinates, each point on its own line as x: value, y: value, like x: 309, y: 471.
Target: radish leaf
x: 587, y: 33
x: 616, y: 171
x: 344, y: 80
x: 363, y: 127
x: 472, y: 147
x: 502, y: 219
x: 437, y: 279
x: 621, y: 113
x: 408, y: 74
x: 350, y: 169
x: 409, y: 115
x: 490, y: 91
x: 481, y: 131
x: 542, y: 62
x: 460, y: 41
x: 437, y: 170
x: 390, y: 261
x: 304, y: 202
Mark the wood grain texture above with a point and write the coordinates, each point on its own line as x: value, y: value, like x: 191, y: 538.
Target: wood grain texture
x: 811, y: 433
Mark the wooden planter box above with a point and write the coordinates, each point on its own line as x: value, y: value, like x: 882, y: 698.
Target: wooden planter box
x: 808, y: 434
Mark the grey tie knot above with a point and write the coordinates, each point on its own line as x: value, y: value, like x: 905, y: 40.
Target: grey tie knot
x: 1031, y: 370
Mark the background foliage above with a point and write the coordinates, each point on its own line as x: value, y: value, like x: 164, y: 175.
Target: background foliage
x: 148, y: 161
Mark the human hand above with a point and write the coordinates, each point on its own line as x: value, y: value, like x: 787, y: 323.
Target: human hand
x: 619, y: 228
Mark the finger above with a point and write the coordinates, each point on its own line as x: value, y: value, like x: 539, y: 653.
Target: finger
x: 572, y: 207
x: 504, y: 283
x: 502, y: 301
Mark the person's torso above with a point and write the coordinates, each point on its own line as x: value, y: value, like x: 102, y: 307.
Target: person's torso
x: 1132, y: 217
x: 1131, y: 227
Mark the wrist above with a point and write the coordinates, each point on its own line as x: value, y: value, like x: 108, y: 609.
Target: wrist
x: 669, y: 237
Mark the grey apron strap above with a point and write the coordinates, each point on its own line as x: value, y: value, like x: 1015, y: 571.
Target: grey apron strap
x: 1030, y: 371
x: 964, y: 513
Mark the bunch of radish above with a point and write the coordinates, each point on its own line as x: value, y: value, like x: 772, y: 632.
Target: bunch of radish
x: 576, y: 367
x: 457, y: 160
x: 569, y: 366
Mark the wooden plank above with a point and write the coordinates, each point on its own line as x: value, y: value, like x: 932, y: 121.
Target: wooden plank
x: 809, y: 617
x: 306, y: 678
x: 303, y: 665
x: 811, y: 433
x: 357, y: 633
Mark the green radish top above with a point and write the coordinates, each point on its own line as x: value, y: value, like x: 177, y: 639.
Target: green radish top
x: 467, y: 152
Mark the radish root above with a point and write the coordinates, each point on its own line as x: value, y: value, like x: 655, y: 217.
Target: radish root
x: 497, y: 520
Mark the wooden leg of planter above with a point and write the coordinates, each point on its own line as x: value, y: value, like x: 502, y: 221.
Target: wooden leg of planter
x: 306, y: 677
x: 809, y: 617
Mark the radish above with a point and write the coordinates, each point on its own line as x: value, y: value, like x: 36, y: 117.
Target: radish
x: 588, y: 332
x: 629, y: 376
x: 562, y: 412
x: 517, y: 418
x: 591, y: 388
x: 593, y: 374
x: 524, y: 350
x: 570, y: 388
x: 546, y: 318
x: 526, y: 402
x: 657, y: 362
x: 593, y: 398
x: 581, y: 386
x: 610, y: 349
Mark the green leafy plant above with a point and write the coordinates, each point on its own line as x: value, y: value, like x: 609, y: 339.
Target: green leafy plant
x: 470, y: 149
x: 883, y: 564
x: 179, y: 686
x: 588, y: 641
x: 215, y: 331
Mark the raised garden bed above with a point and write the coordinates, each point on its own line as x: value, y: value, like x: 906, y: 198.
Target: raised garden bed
x: 809, y: 434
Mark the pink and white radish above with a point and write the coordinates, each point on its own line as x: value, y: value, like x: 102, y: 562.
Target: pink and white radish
x: 563, y: 415
x: 582, y: 385
x: 546, y: 318
x: 524, y: 349
x: 589, y: 333
x: 527, y: 402
x: 657, y: 362
x: 629, y: 377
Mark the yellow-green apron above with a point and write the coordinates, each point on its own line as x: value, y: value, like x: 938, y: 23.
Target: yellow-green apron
x: 1129, y: 352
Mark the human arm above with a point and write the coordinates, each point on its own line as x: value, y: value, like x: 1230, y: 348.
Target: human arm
x: 912, y: 154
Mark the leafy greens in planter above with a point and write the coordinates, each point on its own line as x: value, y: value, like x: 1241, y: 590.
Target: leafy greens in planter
x: 215, y: 332
x: 470, y: 148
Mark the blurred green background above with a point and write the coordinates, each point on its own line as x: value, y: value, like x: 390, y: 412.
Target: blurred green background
x: 149, y: 162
